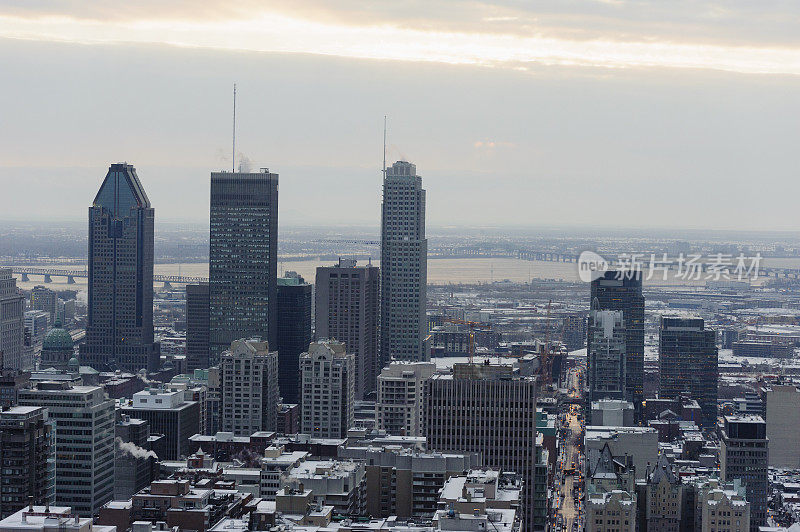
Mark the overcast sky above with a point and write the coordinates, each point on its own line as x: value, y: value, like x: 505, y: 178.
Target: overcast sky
x: 555, y: 112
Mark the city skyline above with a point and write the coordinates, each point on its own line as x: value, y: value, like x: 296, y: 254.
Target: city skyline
x: 571, y: 133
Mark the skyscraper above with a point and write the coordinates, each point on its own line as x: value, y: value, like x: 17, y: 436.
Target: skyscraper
x: 84, y: 441
x: 687, y: 356
x: 744, y: 455
x: 197, y: 326
x: 243, y: 258
x: 294, y: 332
x: 119, y: 330
x: 401, y: 391
x: 26, y: 454
x: 12, y: 323
x: 623, y: 291
x: 605, y: 367
x: 42, y: 298
x: 326, y: 407
x: 347, y: 309
x: 249, y: 388
x: 404, y: 273
x: 487, y: 409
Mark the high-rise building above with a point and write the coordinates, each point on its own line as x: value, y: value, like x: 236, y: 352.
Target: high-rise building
x: 688, y: 364
x: 249, y: 388
x: 783, y: 425
x: 84, y: 442
x: 42, y: 298
x: 294, y: 332
x: 404, y: 266
x: 36, y: 322
x: 605, y: 367
x: 487, y: 409
x: 26, y: 454
x: 347, y: 309
x: 328, y: 390
x: 12, y: 323
x: 133, y: 459
x: 619, y: 290
x: 401, y: 390
x: 744, y: 455
x: 197, y: 327
x: 119, y: 329
x: 243, y: 258
x: 167, y: 412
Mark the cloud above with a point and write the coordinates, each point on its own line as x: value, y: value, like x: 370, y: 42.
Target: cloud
x: 731, y: 36
x: 491, y: 144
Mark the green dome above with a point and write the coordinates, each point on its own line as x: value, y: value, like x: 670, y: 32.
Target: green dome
x: 73, y: 363
x: 57, y: 340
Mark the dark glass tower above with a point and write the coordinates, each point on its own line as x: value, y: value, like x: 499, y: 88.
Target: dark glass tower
x: 687, y: 356
x: 197, y: 307
x: 404, y: 263
x: 294, y: 332
x: 625, y: 294
x: 243, y: 258
x: 119, y: 331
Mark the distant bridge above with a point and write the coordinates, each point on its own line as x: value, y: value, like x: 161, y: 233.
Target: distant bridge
x: 71, y: 275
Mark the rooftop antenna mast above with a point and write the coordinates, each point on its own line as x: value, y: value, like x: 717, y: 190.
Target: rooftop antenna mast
x: 384, y: 147
x: 233, y: 147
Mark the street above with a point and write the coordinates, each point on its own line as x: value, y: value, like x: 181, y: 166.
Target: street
x: 569, y: 477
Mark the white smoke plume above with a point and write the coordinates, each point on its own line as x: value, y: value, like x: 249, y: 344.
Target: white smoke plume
x: 134, y: 450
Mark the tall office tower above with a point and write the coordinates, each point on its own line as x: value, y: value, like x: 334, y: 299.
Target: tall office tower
x: 119, y: 330
x: 133, y: 459
x: 489, y: 410
x: 294, y: 332
x: 26, y: 453
x: 243, y: 258
x: 328, y: 390
x: 605, y: 368
x: 688, y: 364
x: 167, y: 412
x: 401, y: 389
x: 744, y: 455
x: 404, y: 266
x: 12, y: 323
x: 84, y: 442
x: 42, y: 298
x: 783, y: 425
x: 249, y: 388
x: 347, y: 309
x: 625, y: 294
x: 197, y: 327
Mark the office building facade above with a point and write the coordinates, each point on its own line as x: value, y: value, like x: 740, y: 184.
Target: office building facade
x: 250, y: 394
x: 347, y: 308
x: 487, y: 409
x: 169, y: 413
x: 243, y: 258
x: 197, y: 327
x: 294, y: 332
x: 119, y: 329
x: 12, y: 323
x: 404, y: 274
x: 42, y: 298
x: 84, y: 442
x: 687, y: 355
x: 26, y: 454
x: 401, y: 394
x: 328, y: 390
x: 744, y: 456
x: 605, y: 369
x: 622, y: 291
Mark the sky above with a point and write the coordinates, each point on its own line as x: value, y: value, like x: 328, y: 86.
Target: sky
x: 631, y: 113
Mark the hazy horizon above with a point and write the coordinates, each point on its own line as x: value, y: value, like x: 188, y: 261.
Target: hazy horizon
x: 594, y: 114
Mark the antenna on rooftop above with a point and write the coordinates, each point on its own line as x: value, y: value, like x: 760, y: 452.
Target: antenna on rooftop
x: 383, y: 170
x: 233, y: 147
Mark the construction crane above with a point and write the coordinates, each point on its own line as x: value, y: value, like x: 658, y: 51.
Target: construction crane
x: 472, y: 327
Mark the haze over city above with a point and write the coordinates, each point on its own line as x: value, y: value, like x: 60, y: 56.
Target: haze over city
x: 515, y: 115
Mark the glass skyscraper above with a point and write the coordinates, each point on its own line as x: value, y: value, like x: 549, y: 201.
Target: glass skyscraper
x: 119, y: 331
x: 404, y: 266
x: 243, y: 259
